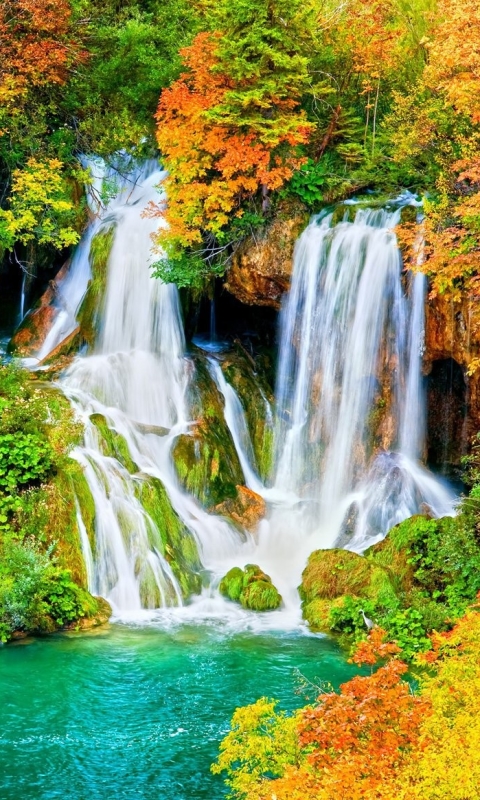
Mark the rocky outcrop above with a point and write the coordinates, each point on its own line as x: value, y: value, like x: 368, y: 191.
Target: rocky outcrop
x: 452, y: 367
x: 262, y: 266
x: 245, y: 510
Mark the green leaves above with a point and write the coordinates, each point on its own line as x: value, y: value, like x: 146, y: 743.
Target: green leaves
x: 25, y: 458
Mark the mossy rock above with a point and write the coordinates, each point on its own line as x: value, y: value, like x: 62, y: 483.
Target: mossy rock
x: 260, y: 596
x: 231, y: 585
x: 98, y: 613
x: 247, y: 378
x: 112, y: 443
x: 170, y: 536
x: 206, y: 460
x: 333, y: 573
x: 92, y: 304
x: 250, y: 587
x: 396, y: 550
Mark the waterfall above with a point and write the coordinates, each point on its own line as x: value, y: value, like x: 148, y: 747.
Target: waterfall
x: 348, y: 425
x: 351, y: 352
x: 136, y: 381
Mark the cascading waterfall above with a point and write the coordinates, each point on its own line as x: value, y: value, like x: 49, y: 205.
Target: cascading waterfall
x: 350, y: 352
x: 136, y: 381
x: 349, y: 421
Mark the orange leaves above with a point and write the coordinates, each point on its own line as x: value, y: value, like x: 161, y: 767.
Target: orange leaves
x: 35, y: 45
x: 374, y: 648
x: 213, y: 166
x: 454, y: 66
x: 353, y: 744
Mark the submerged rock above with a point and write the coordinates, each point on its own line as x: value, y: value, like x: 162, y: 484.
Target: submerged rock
x: 250, y: 587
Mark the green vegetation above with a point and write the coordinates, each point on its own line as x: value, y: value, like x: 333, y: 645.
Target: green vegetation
x: 42, y: 575
x: 206, y: 460
x: 251, y: 588
x: 420, y: 578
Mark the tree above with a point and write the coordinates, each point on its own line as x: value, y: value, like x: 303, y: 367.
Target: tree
x: 231, y: 124
x: 349, y: 744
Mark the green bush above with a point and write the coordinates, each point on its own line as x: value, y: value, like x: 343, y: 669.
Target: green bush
x: 25, y: 458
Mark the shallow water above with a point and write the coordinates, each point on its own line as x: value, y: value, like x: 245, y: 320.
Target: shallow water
x: 137, y: 713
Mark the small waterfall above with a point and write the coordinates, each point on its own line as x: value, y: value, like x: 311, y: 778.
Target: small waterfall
x: 237, y: 424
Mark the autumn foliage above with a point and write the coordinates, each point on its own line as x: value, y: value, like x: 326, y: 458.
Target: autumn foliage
x: 36, y: 44
x: 350, y: 743
x: 224, y: 133
x: 376, y: 739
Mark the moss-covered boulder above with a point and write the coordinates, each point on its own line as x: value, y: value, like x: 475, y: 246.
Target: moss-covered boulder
x: 112, y: 443
x: 250, y: 587
x: 331, y: 575
x: 206, y: 460
x: 170, y: 536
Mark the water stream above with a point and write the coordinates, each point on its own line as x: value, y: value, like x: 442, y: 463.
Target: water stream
x: 349, y: 418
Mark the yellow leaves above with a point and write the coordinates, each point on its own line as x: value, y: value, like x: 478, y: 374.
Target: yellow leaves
x: 447, y: 764
x: 40, y: 206
x: 262, y: 741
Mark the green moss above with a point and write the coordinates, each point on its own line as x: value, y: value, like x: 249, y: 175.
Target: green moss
x: 260, y: 596
x: 92, y: 304
x: 332, y: 576
x: 206, y: 460
x: 170, y: 535
x: 112, y: 443
x: 231, y: 585
x: 250, y: 587
x: 332, y: 573
x: 248, y: 379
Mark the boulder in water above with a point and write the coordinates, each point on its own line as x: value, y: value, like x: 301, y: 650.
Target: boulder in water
x: 250, y: 587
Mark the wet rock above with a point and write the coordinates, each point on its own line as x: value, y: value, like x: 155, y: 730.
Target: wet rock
x: 245, y: 510
x: 33, y: 331
x: 262, y: 266
x: 250, y: 587
x: 65, y: 351
x: 206, y: 460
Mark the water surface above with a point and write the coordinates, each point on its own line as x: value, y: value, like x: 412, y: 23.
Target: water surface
x: 137, y: 713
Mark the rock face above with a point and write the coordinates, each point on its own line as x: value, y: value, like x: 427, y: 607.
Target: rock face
x: 452, y: 351
x: 262, y: 267
x: 245, y: 510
